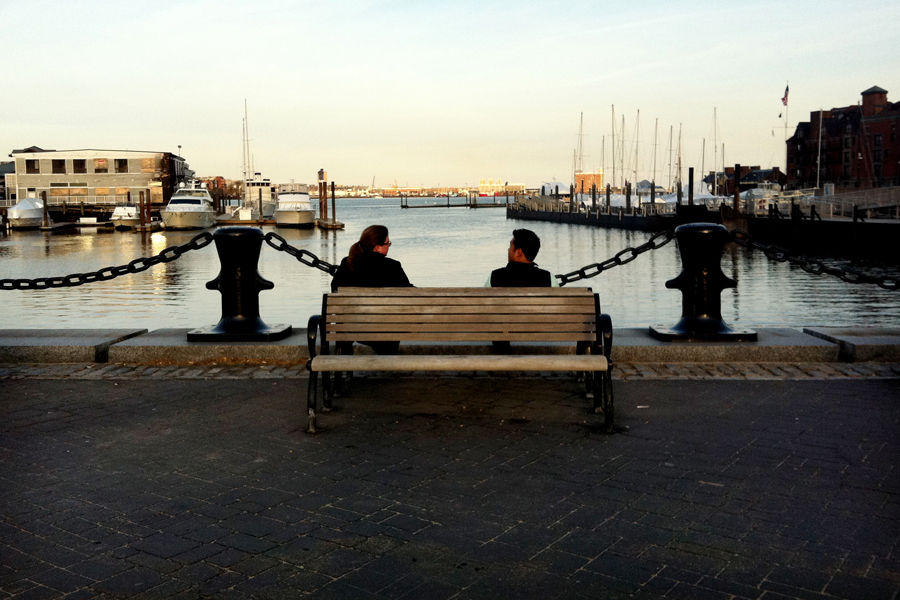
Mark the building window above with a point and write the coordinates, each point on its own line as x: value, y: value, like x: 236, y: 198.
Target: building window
x: 101, y: 165
x: 846, y: 156
x: 32, y: 167
x: 877, y: 169
x: 79, y: 165
x: 877, y: 140
x: 121, y: 165
x: 846, y: 170
x: 59, y: 166
x: 846, y: 142
x: 876, y: 155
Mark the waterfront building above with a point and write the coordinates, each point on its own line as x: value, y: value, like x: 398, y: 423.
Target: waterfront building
x: 94, y: 177
x: 497, y: 187
x: 858, y: 145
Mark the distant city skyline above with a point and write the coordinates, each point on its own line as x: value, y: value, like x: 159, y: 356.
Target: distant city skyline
x: 435, y: 94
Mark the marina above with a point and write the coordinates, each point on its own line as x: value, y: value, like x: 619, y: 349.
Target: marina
x: 440, y: 247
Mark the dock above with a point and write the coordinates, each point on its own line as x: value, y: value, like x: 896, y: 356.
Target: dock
x: 329, y: 224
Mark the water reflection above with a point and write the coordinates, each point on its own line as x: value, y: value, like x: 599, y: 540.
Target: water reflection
x: 437, y: 246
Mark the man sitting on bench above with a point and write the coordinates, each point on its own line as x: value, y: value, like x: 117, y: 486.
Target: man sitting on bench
x: 521, y: 270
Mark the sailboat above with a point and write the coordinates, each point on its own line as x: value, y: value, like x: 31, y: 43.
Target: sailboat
x: 258, y: 201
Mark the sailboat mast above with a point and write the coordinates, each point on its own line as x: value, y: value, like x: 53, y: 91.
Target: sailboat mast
x: 670, y: 156
x: 678, y: 178
x: 622, y: 152
x: 613, y: 145
x: 637, y: 140
x: 655, y: 139
x: 703, y: 161
x: 715, y: 155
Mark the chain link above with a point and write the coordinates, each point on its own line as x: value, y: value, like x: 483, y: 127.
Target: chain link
x: 304, y: 256
x: 136, y: 266
x: 811, y: 265
x: 622, y: 257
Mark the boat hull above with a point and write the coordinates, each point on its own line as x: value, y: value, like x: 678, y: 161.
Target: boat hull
x: 305, y: 219
x: 174, y: 219
x: 25, y: 222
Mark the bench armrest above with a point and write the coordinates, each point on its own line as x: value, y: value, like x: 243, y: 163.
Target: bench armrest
x: 312, y: 330
x: 604, y: 328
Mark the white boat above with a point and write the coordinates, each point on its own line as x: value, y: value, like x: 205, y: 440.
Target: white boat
x: 27, y: 214
x: 125, y: 217
x: 294, y: 210
x: 191, y: 207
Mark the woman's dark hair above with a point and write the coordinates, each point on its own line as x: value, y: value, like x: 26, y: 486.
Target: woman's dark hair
x: 374, y: 235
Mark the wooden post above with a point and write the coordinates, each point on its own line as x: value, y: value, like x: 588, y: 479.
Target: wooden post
x: 260, y: 203
x: 737, y: 189
x: 142, y: 216
x: 691, y: 186
x: 594, y: 196
x: 652, y: 196
x: 46, y: 220
x: 333, y: 206
x: 608, y: 191
x: 628, y: 198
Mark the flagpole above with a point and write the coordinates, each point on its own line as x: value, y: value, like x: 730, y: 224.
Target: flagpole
x: 786, y: 100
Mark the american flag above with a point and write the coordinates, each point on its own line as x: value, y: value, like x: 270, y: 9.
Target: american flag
x: 784, y: 99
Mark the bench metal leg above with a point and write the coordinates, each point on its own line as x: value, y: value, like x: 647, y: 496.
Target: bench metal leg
x: 609, y: 415
x: 326, y: 392
x: 311, y: 402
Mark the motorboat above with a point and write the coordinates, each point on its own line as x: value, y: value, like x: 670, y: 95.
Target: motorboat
x: 27, y: 214
x: 294, y: 210
x: 125, y: 217
x: 191, y: 207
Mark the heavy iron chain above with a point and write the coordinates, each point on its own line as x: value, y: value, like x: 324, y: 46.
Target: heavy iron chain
x: 136, y: 266
x: 304, y: 256
x: 624, y: 256
x: 810, y: 265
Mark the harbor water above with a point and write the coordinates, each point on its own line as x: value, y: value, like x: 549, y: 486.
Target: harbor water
x: 447, y: 247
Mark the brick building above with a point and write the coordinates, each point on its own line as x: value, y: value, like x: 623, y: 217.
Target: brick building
x: 584, y: 181
x: 859, y: 146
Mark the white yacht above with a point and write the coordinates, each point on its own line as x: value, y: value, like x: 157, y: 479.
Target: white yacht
x: 294, y: 210
x: 26, y: 214
x: 191, y: 207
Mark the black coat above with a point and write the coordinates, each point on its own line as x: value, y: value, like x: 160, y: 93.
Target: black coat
x: 517, y: 274
x: 374, y: 270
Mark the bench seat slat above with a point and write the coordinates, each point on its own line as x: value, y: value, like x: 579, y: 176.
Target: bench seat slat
x: 407, y: 328
x: 459, y: 363
x: 463, y: 318
x: 464, y: 337
x: 462, y: 310
x: 458, y: 301
x: 467, y: 292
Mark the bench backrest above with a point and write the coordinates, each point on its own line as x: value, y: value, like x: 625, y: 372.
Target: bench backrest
x: 461, y: 314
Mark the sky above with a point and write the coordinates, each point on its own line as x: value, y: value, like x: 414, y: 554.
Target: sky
x: 433, y: 93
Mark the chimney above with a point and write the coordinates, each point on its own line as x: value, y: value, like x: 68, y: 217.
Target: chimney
x: 874, y: 100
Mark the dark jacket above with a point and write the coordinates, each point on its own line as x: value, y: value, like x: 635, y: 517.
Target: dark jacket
x: 517, y: 274
x: 374, y: 270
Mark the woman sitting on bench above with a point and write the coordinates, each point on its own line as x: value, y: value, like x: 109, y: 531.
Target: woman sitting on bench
x: 367, y: 265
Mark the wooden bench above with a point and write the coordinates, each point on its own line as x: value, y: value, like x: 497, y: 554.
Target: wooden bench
x: 476, y: 316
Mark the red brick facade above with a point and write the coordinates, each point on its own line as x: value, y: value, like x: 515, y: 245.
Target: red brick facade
x: 860, y: 146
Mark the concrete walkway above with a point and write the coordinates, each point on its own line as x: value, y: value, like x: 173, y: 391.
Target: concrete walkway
x: 743, y: 480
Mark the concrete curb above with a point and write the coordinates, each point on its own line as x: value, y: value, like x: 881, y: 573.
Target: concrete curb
x: 630, y: 345
x: 61, y: 345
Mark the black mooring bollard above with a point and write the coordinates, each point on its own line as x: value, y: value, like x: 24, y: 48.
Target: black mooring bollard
x: 701, y: 282
x: 240, y: 284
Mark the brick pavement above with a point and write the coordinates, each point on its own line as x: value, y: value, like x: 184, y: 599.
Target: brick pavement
x: 748, y: 481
